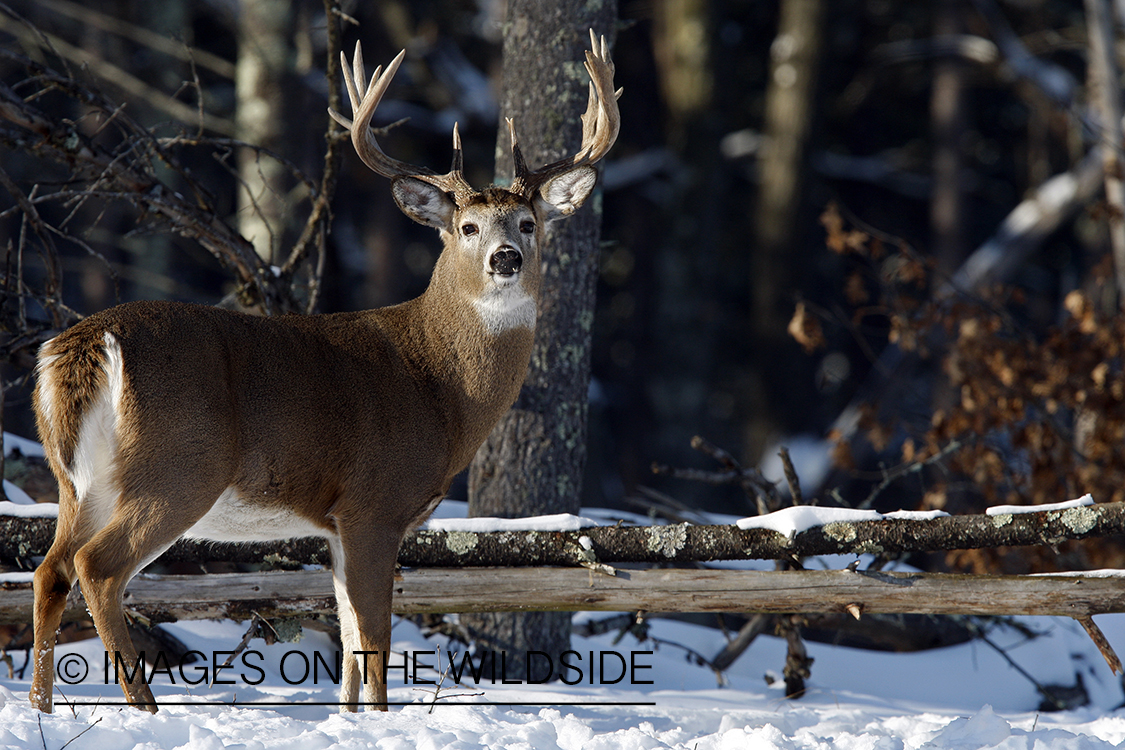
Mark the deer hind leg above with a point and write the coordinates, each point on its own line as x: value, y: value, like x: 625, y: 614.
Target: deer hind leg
x: 138, y: 532
x: 53, y: 580
x: 369, y: 558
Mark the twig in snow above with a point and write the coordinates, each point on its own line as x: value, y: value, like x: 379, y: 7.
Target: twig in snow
x: 251, y: 631
x: 436, y: 692
x: 72, y: 739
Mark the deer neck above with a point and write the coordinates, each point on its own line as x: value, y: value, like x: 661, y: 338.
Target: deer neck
x: 475, y: 354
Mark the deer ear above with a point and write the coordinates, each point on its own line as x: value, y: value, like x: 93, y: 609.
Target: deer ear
x: 563, y: 195
x: 423, y: 202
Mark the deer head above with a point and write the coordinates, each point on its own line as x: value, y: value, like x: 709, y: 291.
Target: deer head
x: 499, y: 228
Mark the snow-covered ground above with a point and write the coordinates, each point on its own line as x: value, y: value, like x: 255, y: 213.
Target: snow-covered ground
x: 961, y: 697
x: 966, y: 696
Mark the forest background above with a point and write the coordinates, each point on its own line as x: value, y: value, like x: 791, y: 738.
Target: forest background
x: 870, y: 231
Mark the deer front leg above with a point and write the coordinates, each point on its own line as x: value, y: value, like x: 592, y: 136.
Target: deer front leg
x: 349, y: 633
x: 365, y: 615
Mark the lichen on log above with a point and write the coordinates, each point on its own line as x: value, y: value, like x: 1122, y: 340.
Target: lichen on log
x: 22, y: 539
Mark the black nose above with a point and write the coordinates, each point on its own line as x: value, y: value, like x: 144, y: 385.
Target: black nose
x: 505, y: 262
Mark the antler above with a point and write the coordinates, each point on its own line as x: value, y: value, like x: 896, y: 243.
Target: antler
x: 364, y: 141
x: 600, y: 124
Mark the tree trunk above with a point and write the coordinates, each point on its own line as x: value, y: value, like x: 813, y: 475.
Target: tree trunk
x: 532, y: 463
x: 265, y: 59
x: 1105, y: 84
x: 688, y: 254
x: 947, y: 118
x: 790, y: 109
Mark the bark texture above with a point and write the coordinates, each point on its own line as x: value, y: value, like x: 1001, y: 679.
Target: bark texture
x: 539, y: 591
x: 262, y: 80
x: 24, y: 538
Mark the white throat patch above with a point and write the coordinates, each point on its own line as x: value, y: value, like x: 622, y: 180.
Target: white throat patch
x: 505, y: 306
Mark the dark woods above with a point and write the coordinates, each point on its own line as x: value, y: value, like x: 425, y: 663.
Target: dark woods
x: 808, y: 232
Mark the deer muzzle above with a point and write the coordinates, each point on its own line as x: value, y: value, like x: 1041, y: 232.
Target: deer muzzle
x: 505, y: 262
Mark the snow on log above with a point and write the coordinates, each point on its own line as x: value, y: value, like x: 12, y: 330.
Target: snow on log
x: 23, y: 538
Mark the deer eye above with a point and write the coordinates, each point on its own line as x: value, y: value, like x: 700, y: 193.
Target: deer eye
x: 468, y: 229
x: 527, y: 227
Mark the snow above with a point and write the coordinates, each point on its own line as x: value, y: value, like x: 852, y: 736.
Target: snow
x: 916, y: 515
x: 954, y: 698
x: 24, y: 510
x: 795, y: 519
x: 16, y: 495
x: 13, y: 443
x: 964, y: 696
x: 22, y: 444
x: 554, y: 522
x: 1003, y: 510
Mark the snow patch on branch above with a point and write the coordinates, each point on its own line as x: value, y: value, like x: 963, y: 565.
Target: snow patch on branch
x: 23, y: 510
x: 555, y: 522
x: 792, y: 521
x: 1008, y: 510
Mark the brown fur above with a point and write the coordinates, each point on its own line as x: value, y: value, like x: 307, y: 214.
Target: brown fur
x: 355, y: 422
x: 351, y: 426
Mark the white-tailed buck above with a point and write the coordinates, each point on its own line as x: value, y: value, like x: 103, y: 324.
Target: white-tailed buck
x: 163, y: 420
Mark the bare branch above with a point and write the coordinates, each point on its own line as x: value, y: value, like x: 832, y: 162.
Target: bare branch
x: 306, y: 593
x: 1099, y: 639
x: 123, y: 80
x: 791, y: 477
x: 129, y: 173
x: 141, y: 35
x: 756, y: 486
x: 1105, y: 81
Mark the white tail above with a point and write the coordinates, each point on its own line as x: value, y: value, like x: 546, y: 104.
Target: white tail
x: 162, y: 420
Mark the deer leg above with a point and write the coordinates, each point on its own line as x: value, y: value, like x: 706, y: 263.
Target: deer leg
x: 369, y: 569
x: 349, y: 632
x: 136, y: 534
x: 53, y: 580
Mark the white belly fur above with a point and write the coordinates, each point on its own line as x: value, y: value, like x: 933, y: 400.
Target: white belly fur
x: 231, y: 519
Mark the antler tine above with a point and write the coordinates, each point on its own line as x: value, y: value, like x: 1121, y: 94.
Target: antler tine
x: 600, y: 123
x: 368, y: 149
x: 458, y: 155
x: 517, y: 154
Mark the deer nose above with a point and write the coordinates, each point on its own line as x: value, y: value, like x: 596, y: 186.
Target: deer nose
x: 505, y: 261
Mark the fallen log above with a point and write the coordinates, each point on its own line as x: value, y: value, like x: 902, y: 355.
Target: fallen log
x: 25, y: 538
x: 438, y: 590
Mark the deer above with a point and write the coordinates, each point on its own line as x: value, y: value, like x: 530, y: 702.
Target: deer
x: 163, y: 420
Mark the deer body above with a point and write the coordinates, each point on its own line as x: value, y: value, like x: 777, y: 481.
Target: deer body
x: 163, y: 420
